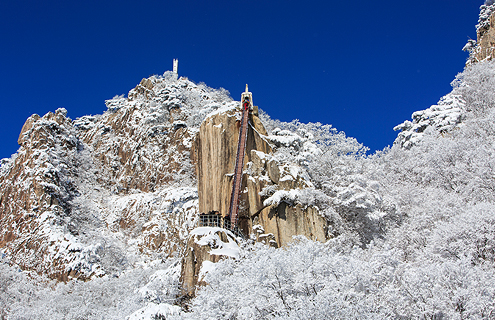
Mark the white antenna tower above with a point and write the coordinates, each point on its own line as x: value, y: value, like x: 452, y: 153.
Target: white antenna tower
x: 176, y: 66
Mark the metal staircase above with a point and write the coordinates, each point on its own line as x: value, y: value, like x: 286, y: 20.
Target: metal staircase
x: 247, y: 106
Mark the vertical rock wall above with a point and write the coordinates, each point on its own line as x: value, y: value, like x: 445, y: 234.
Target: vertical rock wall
x: 216, y: 150
x: 285, y: 221
x: 486, y: 40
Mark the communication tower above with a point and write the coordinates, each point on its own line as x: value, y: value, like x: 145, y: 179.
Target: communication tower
x: 176, y: 66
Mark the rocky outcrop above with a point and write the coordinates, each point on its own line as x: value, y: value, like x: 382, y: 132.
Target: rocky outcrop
x: 205, y: 247
x: 143, y: 141
x: 270, y: 218
x: 273, y: 207
x: 85, y: 198
x: 443, y: 117
x: 284, y: 221
x: 484, y: 47
x: 486, y: 33
x: 265, y: 175
x: 37, y: 185
x: 216, y: 150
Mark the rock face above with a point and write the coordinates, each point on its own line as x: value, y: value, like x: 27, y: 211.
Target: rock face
x: 95, y: 195
x: 484, y: 47
x: 216, y: 148
x: 143, y: 141
x: 272, y: 206
x: 486, y: 34
x: 268, y: 208
x: 285, y: 221
x: 37, y: 185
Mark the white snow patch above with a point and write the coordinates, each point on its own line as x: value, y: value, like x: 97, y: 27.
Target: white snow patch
x: 282, y: 195
x: 152, y: 310
x: 209, y: 236
x: 224, y: 108
x: 206, y: 267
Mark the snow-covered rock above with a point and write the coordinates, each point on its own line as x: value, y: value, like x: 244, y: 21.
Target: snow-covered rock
x: 442, y: 117
x: 206, y: 246
x: 97, y: 195
x: 483, y: 48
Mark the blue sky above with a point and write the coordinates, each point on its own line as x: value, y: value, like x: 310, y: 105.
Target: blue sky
x: 362, y: 66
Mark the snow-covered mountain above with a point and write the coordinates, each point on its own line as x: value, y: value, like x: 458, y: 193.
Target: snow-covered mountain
x: 94, y: 195
x: 98, y: 212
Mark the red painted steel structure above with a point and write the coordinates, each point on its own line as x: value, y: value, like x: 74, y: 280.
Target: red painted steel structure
x: 247, y: 104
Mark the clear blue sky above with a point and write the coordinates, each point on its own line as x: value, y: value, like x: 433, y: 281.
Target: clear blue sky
x: 362, y: 66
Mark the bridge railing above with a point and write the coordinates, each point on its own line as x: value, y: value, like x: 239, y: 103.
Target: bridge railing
x: 216, y: 220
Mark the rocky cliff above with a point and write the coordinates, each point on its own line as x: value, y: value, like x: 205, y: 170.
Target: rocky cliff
x: 37, y: 185
x: 216, y: 146
x: 265, y: 175
x: 98, y: 194
x: 484, y: 47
